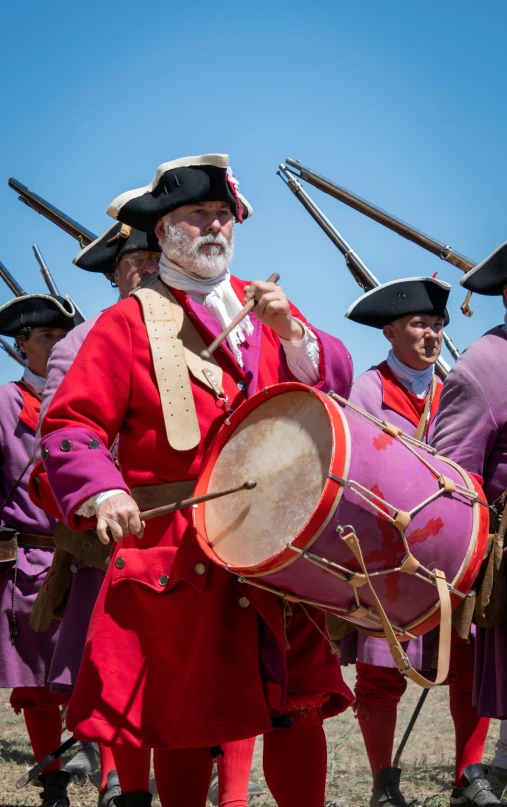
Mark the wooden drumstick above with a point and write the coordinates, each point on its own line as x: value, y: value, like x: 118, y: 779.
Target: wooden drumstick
x: 208, y: 352
x: 172, y: 508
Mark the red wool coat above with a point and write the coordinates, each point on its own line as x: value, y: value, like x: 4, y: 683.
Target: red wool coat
x: 179, y: 653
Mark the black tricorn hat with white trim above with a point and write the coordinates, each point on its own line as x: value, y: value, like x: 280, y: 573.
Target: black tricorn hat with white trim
x: 103, y: 254
x: 490, y: 276
x: 189, y: 180
x: 38, y: 311
x: 399, y: 298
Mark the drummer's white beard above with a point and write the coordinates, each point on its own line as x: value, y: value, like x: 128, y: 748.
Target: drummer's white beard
x: 180, y: 248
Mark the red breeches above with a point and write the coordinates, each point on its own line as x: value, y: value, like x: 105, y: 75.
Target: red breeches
x: 379, y: 690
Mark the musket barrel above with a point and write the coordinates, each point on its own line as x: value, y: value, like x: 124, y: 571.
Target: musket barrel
x: 360, y: 272
x: 52, y: 213
x: 443, y: 251
x: 10, y: 281
x: 358, y: 269
x: 11, y: 352
x: 46, y: 274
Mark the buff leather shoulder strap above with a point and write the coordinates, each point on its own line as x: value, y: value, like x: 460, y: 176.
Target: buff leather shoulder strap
x: 175, y: 349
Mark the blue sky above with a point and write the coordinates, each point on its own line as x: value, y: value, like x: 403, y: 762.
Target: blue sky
x: 404, y: 103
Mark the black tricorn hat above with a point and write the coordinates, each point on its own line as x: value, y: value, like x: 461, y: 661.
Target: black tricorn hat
x: 490, y: 276
x: 207, y: 178
x: 38, y: 311
x: 103, y: 254
x: 398, y: 298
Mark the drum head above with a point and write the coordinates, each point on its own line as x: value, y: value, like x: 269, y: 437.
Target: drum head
x: 285, y: 444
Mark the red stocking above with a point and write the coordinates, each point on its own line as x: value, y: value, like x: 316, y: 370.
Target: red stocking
x: 295, y: 766
x: 470, y: 729
x: 106, y: 764
x: 234, y: 772
x: 183, y: 776
x: 133, y: 767
x: 43, y: 720
x: 378, y: 692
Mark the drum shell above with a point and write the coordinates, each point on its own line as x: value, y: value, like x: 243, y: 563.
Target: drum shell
x: 447, y: 533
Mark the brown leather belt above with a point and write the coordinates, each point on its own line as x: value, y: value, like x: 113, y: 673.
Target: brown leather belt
x: 32, y: 540
x: 148, y: 496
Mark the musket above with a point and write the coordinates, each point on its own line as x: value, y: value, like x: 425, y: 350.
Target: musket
x: 16, y: 289
x: 48, y: 278
x: 439, y: 248
x: 10, y: 281
x: 363, y: 276
x: 46, y: 274
x: 49, y: 211
x: 11, y: 352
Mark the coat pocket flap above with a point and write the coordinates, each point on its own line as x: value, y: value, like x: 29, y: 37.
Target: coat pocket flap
x: 161, y: 568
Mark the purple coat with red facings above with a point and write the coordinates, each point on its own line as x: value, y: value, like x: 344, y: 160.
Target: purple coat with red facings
x: 26, y: 662
x: 471, y: 429
x: 86, y: 582
x: 367, y: 393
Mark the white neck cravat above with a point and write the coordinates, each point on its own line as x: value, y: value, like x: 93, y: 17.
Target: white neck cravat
x: 34, y: 381
x: 416, y: 381
x: 216, y: 294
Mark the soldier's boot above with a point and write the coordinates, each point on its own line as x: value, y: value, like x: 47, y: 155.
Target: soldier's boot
x: 478, y: 792
x: 112, y: 790
x: 86, y: 761
x: 54, y: 789
x: 138, y: 798
x: 497, y: 777
x: 386, y: 789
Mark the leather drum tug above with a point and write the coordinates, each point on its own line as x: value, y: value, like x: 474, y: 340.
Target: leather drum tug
x: 349, y: 514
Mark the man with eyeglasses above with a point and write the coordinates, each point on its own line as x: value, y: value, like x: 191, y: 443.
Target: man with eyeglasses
x: 128, y: 258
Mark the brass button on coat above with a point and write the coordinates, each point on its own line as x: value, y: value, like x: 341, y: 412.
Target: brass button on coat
x: 200, y: 568
x: 45, y: 454
x: 119, y: 563
x: 65, y: 445
x: 73, y: 568
x: 93, y: 444
x: 241, y: 386
x: 243, y: 602
x: 163, y: 580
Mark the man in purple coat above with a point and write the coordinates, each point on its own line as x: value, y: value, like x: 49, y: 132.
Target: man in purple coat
x: 37, y: 321
x: 128, y: 258
x: 405, y: 391
x: 471, y: 429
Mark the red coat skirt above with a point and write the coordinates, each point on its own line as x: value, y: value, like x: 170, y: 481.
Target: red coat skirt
x: 178, y: 653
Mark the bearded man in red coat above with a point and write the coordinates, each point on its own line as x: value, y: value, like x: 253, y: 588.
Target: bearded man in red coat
x: 180, y: 657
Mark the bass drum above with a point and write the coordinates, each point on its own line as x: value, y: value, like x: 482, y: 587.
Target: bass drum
x: 348, y: 513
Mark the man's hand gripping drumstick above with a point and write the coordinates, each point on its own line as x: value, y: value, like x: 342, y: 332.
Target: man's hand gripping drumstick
x: 271, y: 307
x: 119, y: 515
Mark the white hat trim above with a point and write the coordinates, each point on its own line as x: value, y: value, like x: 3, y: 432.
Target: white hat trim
x: 43, y: 297
x: 441, y: 283
x: 218, y: 160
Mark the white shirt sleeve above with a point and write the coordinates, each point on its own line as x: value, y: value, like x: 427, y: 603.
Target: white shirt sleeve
x: 89, y: 508
x: 303, y: 357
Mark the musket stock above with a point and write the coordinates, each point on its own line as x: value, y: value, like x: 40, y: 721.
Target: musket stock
x: 49, y: 211
x: 358, y: 269
x: 443, y: 251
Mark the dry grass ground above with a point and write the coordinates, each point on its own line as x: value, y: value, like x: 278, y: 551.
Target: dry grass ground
x: 427, y: 762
